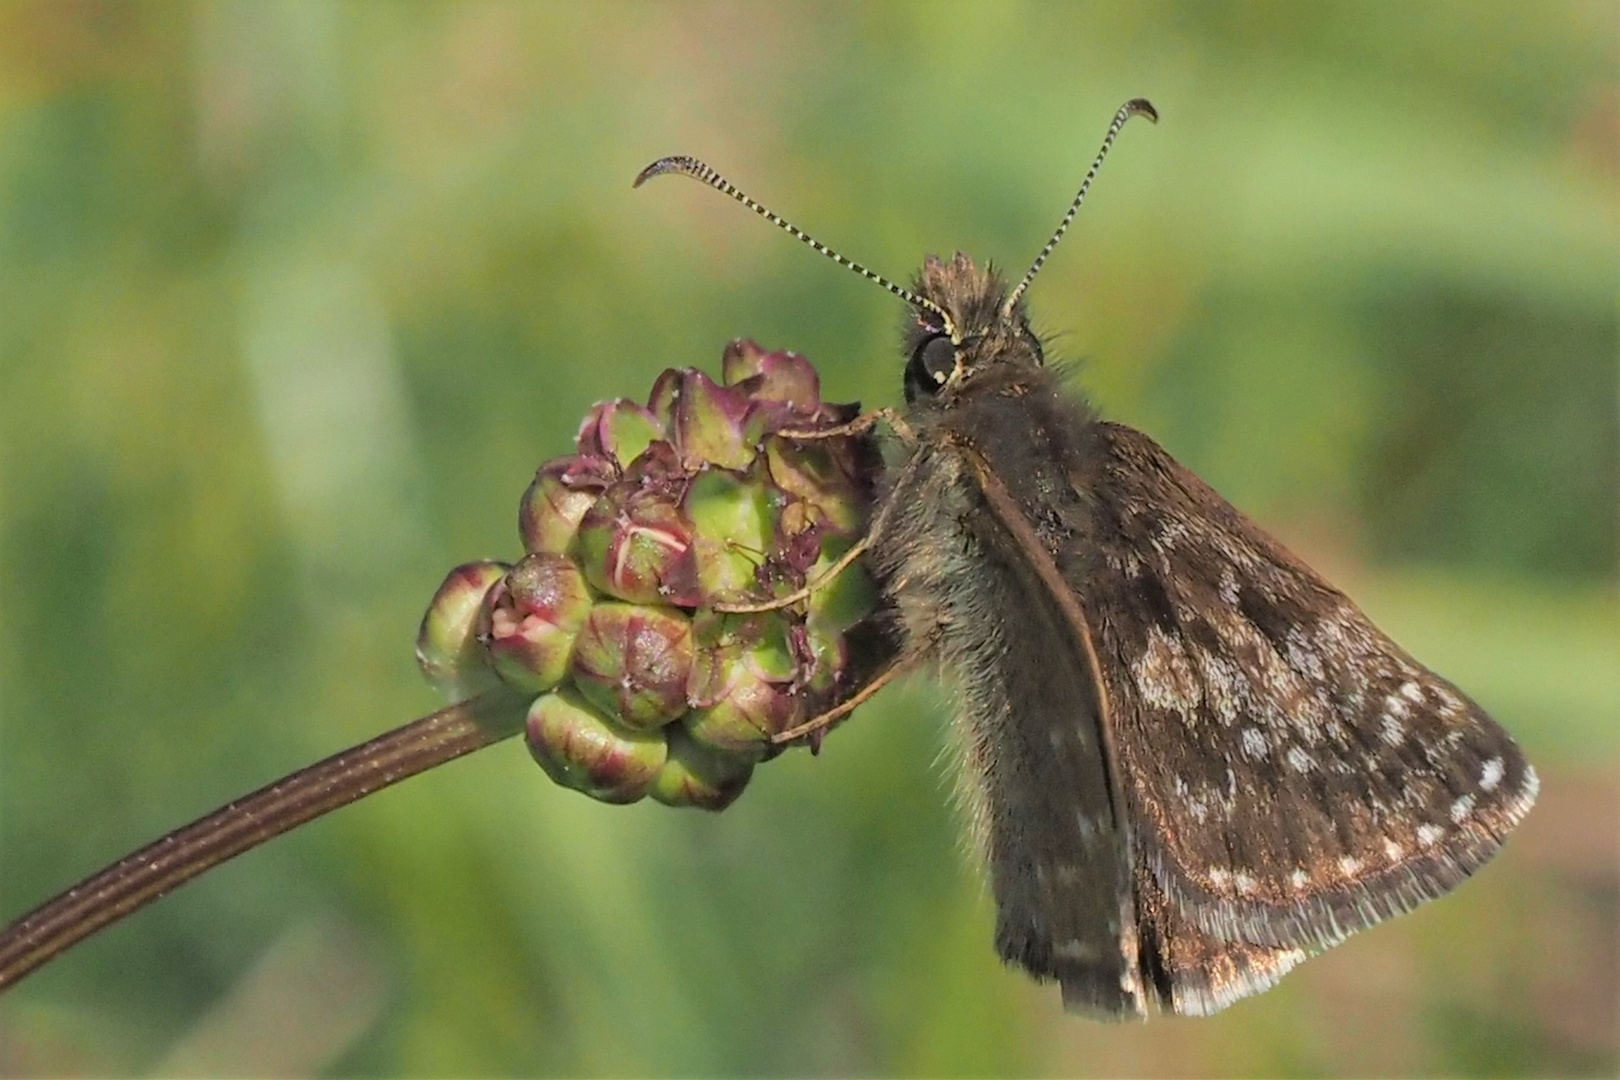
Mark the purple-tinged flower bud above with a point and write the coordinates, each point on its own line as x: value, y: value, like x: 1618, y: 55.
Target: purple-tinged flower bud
x: 742, y: 686
x: 666, y: 390
x: 563, y: 489
x: 742, y: 359
x: 580, y: 748
x: 710, y: 424
x: 813, y: 472
x: 530, y: 621
x: 618, y: 429
x: 633, y: 662
x: 733, y: 517
x: 784, y: 377
x: 447, y: 647
x: 697, y: 775
x: 635, y: 544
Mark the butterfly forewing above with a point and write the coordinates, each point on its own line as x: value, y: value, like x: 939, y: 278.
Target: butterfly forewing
x: 1297, y: 775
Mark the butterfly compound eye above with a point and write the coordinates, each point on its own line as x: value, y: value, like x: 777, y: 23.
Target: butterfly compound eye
x: 931, y: 365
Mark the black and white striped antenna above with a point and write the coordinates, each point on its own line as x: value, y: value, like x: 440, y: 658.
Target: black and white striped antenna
x: 1134, y: 107
x: 697, y: 170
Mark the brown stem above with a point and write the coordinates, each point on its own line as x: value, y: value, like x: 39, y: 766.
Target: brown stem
x: 141, y: 877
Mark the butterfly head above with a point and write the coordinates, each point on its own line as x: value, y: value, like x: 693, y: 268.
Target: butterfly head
x: 965, y: 324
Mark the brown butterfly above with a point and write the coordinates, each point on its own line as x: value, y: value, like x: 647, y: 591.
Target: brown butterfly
x: 1189, y: 762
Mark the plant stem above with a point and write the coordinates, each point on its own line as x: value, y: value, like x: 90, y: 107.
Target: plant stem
x: 141, y: 877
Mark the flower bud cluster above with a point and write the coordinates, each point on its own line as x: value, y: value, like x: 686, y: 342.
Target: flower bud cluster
x: 664, y: 513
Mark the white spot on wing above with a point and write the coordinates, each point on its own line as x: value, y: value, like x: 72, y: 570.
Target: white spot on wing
x: 1299, y: 760
x: 1170, y: 535
x: 1244, y: 884
x: 1412, y: 692
x: 1393, y: 730
x: 1254, y: 743
x: 1428, y: 834
x: 1163, y: 675
x: 1393, y: 851
x: 1304, y: 654
x: 1462, y: 808
x: 1225, y: 686
x: 1299, y: 878
x: 1349, y: 864
x: 1491, y: 775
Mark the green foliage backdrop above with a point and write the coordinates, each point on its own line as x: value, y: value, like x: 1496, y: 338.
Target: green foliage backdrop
x: 294, y: 296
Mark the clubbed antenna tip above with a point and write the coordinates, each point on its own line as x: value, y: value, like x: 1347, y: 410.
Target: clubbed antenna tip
x: 666, y: 165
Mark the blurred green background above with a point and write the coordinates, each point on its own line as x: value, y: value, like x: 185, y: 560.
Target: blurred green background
x: 294, y: 296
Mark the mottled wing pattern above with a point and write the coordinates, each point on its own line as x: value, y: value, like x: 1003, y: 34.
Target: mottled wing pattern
x: 1295, y: 775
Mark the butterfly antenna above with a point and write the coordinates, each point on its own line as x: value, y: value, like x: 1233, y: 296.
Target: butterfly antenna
x: 697, y: 170
x: 1134, y: 107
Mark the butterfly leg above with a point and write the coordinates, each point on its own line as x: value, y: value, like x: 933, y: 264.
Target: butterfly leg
x: 858, y: 426
x: 884, y: 676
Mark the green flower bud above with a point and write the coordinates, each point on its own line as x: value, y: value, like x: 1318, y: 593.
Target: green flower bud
x: 633, y: 661
x: 710, y: 424
x: 847, y: 599
x: 733, y: 516
x: 562, y: 490
x: 619, y: 430
x: 531, y: 619
x: 742, y: 687
x: 447, y: 646
x: 634, y: 544
x: 697, y: 775
x: 580, y: 748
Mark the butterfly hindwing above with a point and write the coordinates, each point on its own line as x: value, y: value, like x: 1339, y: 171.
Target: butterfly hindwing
x: 1192, y: 971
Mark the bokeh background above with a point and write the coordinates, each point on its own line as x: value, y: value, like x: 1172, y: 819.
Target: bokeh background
x: 294, y: 296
